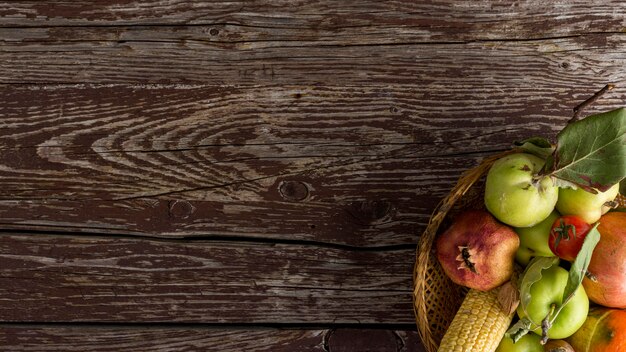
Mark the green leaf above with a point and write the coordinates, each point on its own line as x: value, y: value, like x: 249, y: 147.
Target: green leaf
x: 531, y: 275
x: 591, y: 152
x: 581, y: 263
x: 538, y: 146
x: 519, y: 329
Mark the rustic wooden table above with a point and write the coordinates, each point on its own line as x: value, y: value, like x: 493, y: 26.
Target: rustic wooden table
x: 254, y: 175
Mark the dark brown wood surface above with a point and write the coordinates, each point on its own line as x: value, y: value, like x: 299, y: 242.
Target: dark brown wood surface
x: 230, y: 176
x: 89, y: 278
x: 197, y: 338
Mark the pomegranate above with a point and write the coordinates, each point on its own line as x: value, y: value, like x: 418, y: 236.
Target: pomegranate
x: 477, y: 251
x: 606, y: 282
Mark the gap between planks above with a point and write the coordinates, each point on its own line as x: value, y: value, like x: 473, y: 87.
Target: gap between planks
x: 204, y: 239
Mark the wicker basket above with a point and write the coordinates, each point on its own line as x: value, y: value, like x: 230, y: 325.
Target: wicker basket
x: 436, y: 298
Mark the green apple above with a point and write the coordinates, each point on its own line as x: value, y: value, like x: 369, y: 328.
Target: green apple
x: 548, y: 291
x: 515, y: 195
x: 534, y: 240
x: 527, y: 343
x: 590, y: 207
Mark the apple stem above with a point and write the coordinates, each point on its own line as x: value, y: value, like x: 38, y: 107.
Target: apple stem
x: 536, y: 182
x: 580, y: 107
x: 546, y: 324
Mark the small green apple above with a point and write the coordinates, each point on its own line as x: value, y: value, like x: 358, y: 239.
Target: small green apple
x: 515, y: 195
x: 548, y: 291
x: 528, y: 343
x: 590, y: 207
x: 534, y: 240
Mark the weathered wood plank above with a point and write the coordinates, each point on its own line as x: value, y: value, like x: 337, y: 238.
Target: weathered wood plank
x: 363, y: 223
x: 445, y: 20
x: 95, y: 279
x: 160, y: 339
x: 173, y: 55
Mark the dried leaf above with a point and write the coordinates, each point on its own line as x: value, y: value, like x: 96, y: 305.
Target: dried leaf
x: 508, y: 297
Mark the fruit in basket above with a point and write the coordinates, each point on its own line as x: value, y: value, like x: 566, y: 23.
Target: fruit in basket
x: 587, y: 205
x: 603, y: 331
x: 558, y: 346
x: 528, y: 343
x: 567, y: 235
x: 590, y: 154
x: 606, y: 284
x: 534, y: 240
x: 548, y: 292
x: 477, y: 251
x: 515, y: 195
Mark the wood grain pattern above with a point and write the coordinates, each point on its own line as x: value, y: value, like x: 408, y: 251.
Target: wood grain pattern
x: 161, y: 339
x: 442, y: 20
x: 102, y: 279
x: 186, y: 55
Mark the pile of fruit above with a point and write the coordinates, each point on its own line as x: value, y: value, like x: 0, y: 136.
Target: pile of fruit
x: 545, y: 262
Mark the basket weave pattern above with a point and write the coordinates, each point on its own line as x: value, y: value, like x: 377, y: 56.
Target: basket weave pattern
x: 436, y: 298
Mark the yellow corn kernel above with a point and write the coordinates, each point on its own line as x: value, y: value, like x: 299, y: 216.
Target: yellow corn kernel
x: 479, y: 324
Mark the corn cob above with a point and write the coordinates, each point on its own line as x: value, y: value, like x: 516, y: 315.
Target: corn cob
x: 478, y: 325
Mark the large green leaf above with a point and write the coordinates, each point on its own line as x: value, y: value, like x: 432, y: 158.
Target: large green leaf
x: 581, y: 263
x: 591, y: 153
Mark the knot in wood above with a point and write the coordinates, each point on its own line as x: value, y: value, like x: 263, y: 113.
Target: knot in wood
x: 372, y: 212
x: 214, y: 31
x: 181, y: 209
x: 293, y: 190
